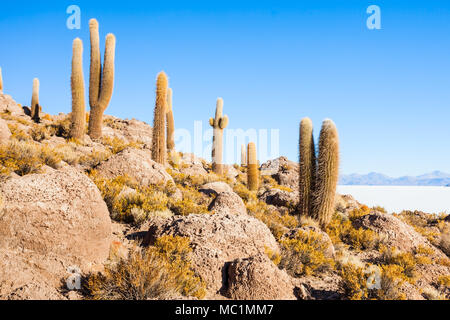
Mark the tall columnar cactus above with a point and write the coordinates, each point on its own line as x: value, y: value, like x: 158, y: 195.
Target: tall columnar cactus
x: 159, y: 149
x: 77, y: 84
x: 101, y: 84
x: 1, y: 82
x: 327, y: 173
x: 243, y: 156
x: 218, y: 123
x: 170, y: 123
x: 252, y: 168
x: 35, y: 101
x: 307, y: 168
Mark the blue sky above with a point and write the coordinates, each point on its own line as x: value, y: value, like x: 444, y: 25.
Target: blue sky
x: 273, y: 62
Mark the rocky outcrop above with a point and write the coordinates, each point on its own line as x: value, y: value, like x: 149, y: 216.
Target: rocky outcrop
x: 8, y: 105
x: 345, y: 203
x: 128, y: 130
x: 217, y: 240
x: 257, y: 278
x: 136, y: 164
x: 395, y: 232
x: 228, y: 203
x: 49, y: 223
x: 5, y: 133
x: 280, y: 198
x: 284, y: 171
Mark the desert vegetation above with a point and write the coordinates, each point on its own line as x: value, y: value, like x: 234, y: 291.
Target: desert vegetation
x: 176, y: 226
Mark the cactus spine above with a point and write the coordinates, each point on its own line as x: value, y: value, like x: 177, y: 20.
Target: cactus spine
x: 252, y: 167
x: 77, y: 84
x: 35, y: 101
x: 243, y: 156
x: 307, y: 168
x: 101, y: 84
x: 159, y: 149
x: 327, y: 173
x: 1, y: 82
x: 218, y: 123
x: 170, y: 123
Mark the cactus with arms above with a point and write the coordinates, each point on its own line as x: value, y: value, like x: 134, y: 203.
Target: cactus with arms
x: 218, y: 123
x: 101, y: 82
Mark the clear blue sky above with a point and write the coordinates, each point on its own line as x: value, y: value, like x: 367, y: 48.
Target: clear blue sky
x: 273, y: 62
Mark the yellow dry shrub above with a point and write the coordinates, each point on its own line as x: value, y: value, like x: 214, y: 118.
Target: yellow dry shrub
x: 242, y: 191
x: 136, y: 205
x: 304, y: 254
x: 354, y: 282
x: 275, y: 257
x: 341, y: 229
x: 60, y: 128
x: 192, y: 202
x: 160, y: 272
x: 39, y: 133
x: 392, y: 278
x: 147, y: 199
x: 23, y: 157
x: 444, y: 281
x: 117, y: 145
x: 407, y: 261
x: 17, y: 133
x: 277, y: 222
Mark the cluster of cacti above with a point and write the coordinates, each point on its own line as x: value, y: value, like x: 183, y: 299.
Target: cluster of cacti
x: 159, y: 148
x: 170, y: 123
x: 252, y: 168
x: 243, y: 156
x: 77, y: 85
x: 218, y: 123
x: 1, y: 81
x: 35, y: 107
x: 318, y: 177
x: 101, y: 82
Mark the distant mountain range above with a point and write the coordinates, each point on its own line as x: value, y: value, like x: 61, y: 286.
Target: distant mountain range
x: 436, y: 178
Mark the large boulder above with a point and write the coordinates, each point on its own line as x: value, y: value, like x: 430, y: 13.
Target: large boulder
x: 136, y: 164
x: 395, y: 233
x: 5, y: 133
x: 258, y: 278
x: 217, y: 240
x: 228, y: 202
x: 49, y: 223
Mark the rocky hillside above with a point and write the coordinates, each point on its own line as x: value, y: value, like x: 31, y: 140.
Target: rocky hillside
x: 103, y: 216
